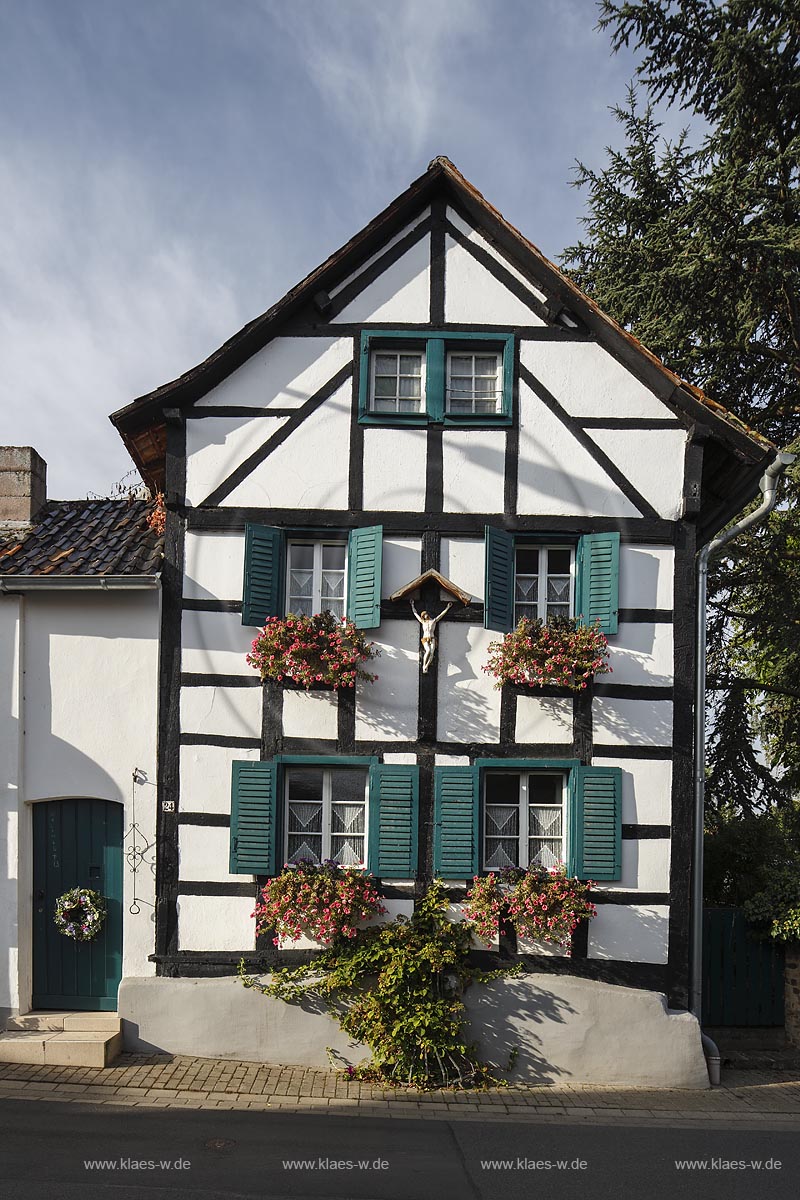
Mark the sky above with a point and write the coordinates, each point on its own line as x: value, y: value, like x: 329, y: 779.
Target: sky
x: 170, y: 168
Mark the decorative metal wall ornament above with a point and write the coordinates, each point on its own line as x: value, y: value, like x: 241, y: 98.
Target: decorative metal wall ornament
x: 139, y: 852
x: 427, y: 622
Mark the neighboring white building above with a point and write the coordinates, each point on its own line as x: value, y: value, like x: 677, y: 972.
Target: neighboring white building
x: 436, y: 396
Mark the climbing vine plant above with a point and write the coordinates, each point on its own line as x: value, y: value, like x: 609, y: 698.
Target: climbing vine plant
x: 398, y: 989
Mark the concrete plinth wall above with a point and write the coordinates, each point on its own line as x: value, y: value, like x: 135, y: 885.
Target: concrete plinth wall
x: 564, y: 1030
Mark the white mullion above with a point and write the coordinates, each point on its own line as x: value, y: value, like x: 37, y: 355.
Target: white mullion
x: 523, y: 821
x: 542, y: 599
x: 316, y: 581
x: 327, y: 817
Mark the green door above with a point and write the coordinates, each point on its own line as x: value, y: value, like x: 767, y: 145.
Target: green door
x: 76, y: 843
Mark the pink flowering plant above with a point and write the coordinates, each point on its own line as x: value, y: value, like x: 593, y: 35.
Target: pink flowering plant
x: 312, y: 650
x: 324, y: 901
x: 543, y: 905
x: 560, y: 651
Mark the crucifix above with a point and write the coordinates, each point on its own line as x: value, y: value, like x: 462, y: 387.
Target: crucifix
x: 428, y: 637
x: 427, y: 622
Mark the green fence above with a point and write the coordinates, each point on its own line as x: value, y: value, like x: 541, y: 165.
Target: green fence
x: 742, y: 975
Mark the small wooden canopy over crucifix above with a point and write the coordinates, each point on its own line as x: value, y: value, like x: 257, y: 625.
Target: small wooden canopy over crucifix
x: 429, y: 623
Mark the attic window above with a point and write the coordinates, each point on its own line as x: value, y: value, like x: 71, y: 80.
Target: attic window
x: 451, y: 378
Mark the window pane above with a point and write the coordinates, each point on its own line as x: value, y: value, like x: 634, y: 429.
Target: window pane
x: 409, y: 386
x: 409, y: 406
x: 502, y: 820
x: 305, y: 783
x: 304, y: 824
x: 502, y: 787
x: 545, y: 789
x: 486, y: 365
x: 545, y: 853
x: 332, y: 585
x: 301, y: 556
x: 558, y: 589
x: 348, y: 785
x: 333, y: 558
x: 558, y: 561
x: 385, y: 385
x: 545, y: 822
x: 347, y: 851
x: 528, y: 560
x: 301, y: 583
x: 501, y: 853
x: 526, y: 588
x: 460, y: 364
x: 410, y: 364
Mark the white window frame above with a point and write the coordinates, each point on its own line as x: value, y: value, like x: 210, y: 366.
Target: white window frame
x: 524, y: 835
x: 471, y: 351
x: 541, y: 602
x: 327, y: 807
x: 316, y: 571
x: 395, y: 412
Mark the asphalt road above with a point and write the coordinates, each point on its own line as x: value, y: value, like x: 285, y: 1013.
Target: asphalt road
x: 45, y: 1148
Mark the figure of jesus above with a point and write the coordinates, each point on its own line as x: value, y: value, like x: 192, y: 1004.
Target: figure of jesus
x: 428, y: 638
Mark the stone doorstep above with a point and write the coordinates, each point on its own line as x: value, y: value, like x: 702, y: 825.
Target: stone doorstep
x: 60, y: 1048
x: 59, y: 1022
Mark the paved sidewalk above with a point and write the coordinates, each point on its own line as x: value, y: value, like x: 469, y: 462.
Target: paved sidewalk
x: 747, y: 1098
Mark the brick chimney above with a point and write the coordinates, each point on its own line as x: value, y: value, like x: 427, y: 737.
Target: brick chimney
x: 23, y: 484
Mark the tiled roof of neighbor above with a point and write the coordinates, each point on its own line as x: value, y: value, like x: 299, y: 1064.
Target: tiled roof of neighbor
x: 85, y: 537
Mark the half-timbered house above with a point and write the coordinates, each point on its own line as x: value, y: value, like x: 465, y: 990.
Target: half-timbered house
x: 436, y: 406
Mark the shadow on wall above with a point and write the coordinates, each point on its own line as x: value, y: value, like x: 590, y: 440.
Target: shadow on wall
x: 503, y: 1021
x: 632, y: 722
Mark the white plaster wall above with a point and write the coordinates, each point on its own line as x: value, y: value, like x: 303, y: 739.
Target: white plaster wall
x: 215, y: 448
x: 216, y: 643
x: 213, y: 566
x: 544, y: 718
x: 394, y: 909
x: 646, y: 576
x: 387, y: 709
x: 630, y: 932
x: 220, y: 710
x: 90, y: 717
x: 284, y: 374
x: 395, y: 462
x: 469, y: 705
x: 546, y: 949
x: 205, y: 776
x: 387, y: 245
x: 464, y: 563
x: 646, y: 789
x: 645, y: 866
x: 203, y: 857
x: 641, y: 654
x: 556, y: 475
x: 479, y: 240
x: 652, y: 459
x: 401, y: 563
x: 588, y: 382
x: 309, y: 469
x: 310, y: 714
x: 473, y: 294
x: 12, y: 888
x: 473, y: 466
x: 632, y: 722
x: 224, y: 922
x: 401, y: 293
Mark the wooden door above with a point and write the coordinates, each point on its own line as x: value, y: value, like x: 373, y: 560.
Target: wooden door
x: 76, y: 843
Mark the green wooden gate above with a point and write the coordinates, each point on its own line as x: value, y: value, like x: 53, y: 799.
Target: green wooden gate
x: 76, y: 843
x: 742, y: 975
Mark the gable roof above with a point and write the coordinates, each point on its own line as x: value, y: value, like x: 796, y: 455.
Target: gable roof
x: 79, y: 538
x: 142, y: 423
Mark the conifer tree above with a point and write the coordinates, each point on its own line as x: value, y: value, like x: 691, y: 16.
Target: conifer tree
x: 694, y: 246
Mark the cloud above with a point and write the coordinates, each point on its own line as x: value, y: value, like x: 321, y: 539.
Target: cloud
x: 109, y: 299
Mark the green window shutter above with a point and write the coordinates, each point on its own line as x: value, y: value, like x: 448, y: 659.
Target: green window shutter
x: 364, y: 555
x: 598, y: 580
x: 254, y: 811
x: 263, y: 572
x: 596, y: 825
x: 498, y: 608
x: 434, y: 379
x: 455, y: 816
x: 394, y: 805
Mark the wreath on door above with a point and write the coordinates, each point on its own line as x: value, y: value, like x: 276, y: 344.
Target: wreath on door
x: 80, y: 913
